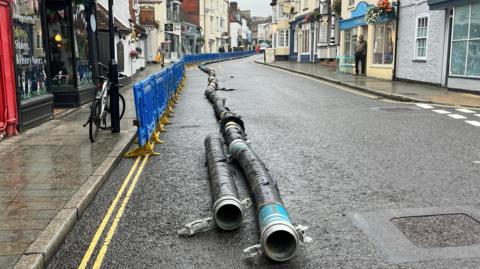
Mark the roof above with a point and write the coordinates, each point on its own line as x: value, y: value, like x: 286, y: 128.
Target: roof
x: 102, y: 21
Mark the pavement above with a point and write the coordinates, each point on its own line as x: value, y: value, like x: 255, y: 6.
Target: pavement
x: 396, y: 90
x: 354, y: 167
x: 48, y: 176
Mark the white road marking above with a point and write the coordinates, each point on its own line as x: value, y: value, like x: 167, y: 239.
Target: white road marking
x: 464, y: 110
x: 440, y: 111
x: 456, y: 116
x: 473, y: 122
x: 425, y: 106
x: 478, y: 115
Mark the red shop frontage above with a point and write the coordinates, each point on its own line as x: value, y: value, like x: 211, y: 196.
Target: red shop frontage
x: 8, y: 100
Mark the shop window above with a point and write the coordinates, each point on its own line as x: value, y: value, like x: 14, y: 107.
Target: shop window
x: 60, y: 43
x: 465, y: 54
x: 29, y: 53
x: 282, y: 38
x: 349, y: 45
x: 81, y: 46
x: 383, y: 43
x: 421, y: 37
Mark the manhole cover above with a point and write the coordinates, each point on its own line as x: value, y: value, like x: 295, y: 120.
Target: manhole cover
x: 395, y: 109
x: 449, y: 230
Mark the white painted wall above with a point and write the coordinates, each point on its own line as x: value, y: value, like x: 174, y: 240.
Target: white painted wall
x: 121, y: 12
x: 235, y: 32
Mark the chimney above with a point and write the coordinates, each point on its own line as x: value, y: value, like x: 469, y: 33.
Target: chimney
x: 233, y: 6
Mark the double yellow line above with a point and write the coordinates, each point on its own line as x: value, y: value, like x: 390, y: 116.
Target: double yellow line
x: 118, y: 216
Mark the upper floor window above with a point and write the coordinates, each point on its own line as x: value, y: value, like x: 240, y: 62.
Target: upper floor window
x: 421, y: 37
x: 305, y: 4
x: 351, y: 2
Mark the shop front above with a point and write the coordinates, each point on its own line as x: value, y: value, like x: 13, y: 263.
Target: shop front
x: 69, y: 31
x: 381, y: 58
x: 35, y: 103
x: 352, y: 26
x: 380, y: 37
x: 299, y: 42
x: 463, y: 26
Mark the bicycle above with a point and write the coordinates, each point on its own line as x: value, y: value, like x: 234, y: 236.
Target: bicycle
x: 100, y: 107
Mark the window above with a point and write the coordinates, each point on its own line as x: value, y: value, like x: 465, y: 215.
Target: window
x: 211, y: 24
x: 283, y: 36
x: 322, y: 33
x: 305, y: 4
x: 421, y: 37
x: 169, y: 10
x: 81, y: 46
x: 383, y: 43
x: 351, y: 2
x: 120, y: 56
x: 306, y: 41
x: 465, y: 54
x: 29, y: 52
x: 349, y: 45
x: 59, y: 37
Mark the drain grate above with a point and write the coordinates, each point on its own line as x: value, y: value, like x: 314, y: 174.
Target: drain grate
x: 450, y: 230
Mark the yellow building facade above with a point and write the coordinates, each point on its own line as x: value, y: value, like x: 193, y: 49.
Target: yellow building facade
x: 380, y: 37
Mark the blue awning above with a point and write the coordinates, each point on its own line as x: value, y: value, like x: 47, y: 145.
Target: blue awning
x: 357, y: 17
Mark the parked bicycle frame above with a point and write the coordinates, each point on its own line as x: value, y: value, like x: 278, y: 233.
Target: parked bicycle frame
x: 100, y: 107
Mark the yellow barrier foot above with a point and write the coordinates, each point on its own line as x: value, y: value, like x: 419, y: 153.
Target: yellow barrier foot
x: 164, y: 119
x: 156, y: 139
x: 161, y: 128
x: 142, y: 151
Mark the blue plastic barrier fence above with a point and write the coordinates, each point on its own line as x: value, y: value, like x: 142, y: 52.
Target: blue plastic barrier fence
x: 156, y: 95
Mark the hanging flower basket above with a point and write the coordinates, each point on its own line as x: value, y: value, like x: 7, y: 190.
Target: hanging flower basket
x: 382, y: 11
x: 133, y: 54
x: 312, y: 16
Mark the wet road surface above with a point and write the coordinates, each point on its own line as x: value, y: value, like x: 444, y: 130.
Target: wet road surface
x: 334, y: 153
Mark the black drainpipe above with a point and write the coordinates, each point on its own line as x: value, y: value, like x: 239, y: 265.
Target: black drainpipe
x: 396, y: 41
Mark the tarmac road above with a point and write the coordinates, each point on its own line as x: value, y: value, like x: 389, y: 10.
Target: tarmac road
x: 334, y: 153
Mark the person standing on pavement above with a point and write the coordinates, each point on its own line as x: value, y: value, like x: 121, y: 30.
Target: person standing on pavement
x: 360, y: 54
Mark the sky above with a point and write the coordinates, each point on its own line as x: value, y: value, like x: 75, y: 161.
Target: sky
x: 257, y: 7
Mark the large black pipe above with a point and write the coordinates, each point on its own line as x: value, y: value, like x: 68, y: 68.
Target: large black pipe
x: 228, y: 211
x: 278, y: 238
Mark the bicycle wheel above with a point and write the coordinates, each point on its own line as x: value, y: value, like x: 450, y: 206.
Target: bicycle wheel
x: 121, y: 105
x: 94, y: 120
